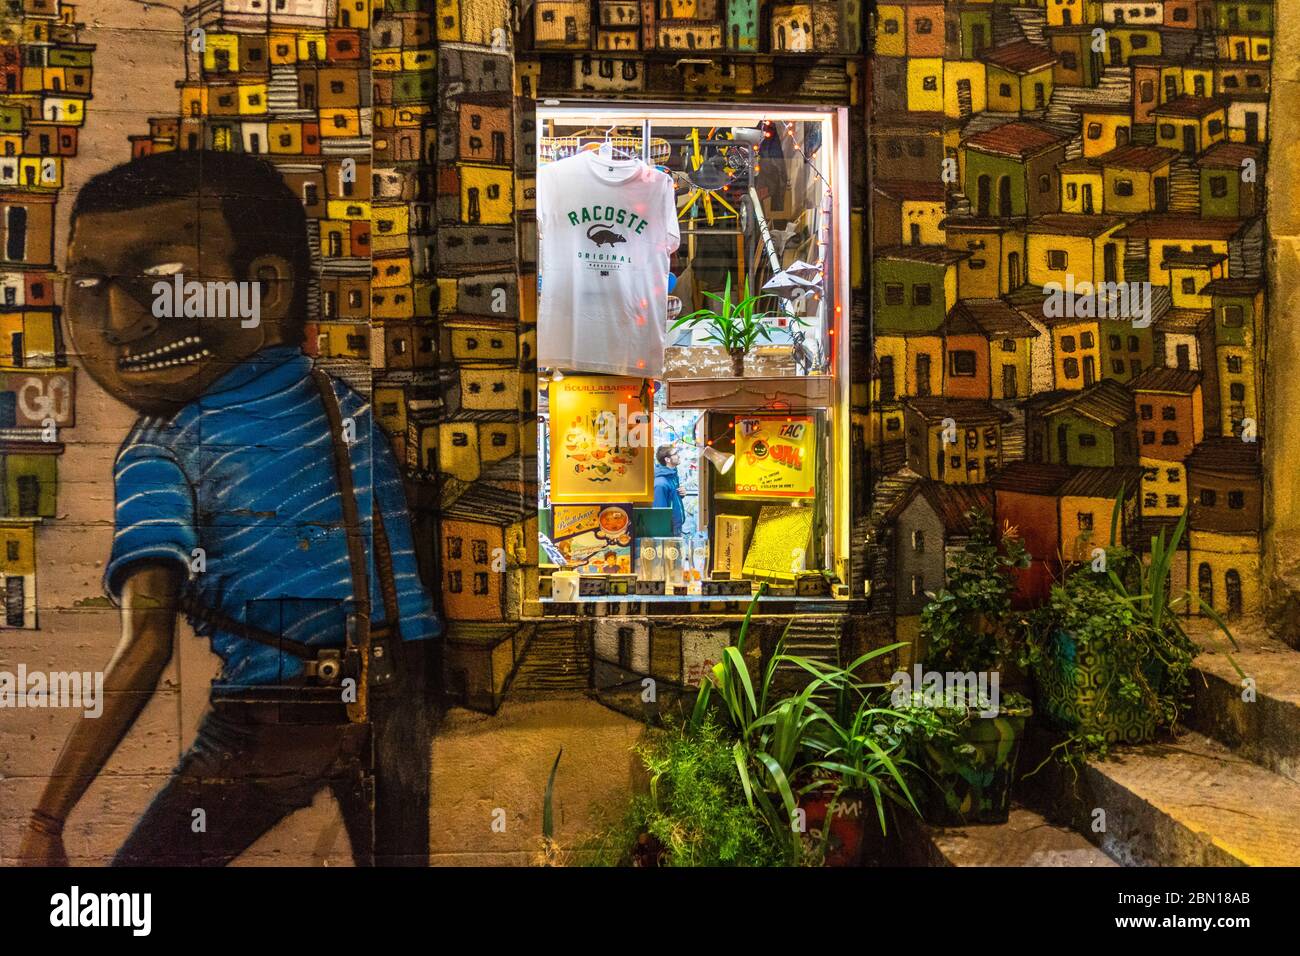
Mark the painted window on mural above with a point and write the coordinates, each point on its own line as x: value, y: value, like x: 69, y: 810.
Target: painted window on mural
x: 688, y: 302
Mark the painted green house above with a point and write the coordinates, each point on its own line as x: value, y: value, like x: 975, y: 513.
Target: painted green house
x: 30, y: 482
x: 1225, y: 193
x: 1011, y: 170
x: 914, y: 287
x: 1253, y: 16
x: 1096, y: 426
x: 976, y: 26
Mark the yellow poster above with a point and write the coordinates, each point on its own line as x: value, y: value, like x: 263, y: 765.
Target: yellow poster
x: 601, y: 439
x: 776, y: 456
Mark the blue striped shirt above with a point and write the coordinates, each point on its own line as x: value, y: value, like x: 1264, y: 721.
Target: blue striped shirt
x: 246, y: 473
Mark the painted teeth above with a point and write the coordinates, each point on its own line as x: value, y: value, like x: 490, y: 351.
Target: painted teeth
x: 164, y: 356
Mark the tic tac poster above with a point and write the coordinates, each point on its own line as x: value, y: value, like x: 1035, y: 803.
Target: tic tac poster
x: 601, y: 439
x: 776, y: 456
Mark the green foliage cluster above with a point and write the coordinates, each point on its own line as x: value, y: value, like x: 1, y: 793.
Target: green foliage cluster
x: 967, y: 625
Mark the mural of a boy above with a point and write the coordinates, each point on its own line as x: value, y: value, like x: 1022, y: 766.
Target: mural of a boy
x: 233, y: 506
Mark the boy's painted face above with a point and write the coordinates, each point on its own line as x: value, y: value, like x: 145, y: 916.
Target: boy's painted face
x: 151, y: 362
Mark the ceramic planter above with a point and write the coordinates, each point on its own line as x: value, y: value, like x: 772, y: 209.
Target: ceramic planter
x: 969, y: 781
x: 1079, y: 690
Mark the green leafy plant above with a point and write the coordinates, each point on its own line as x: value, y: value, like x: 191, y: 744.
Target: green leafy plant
x: 785, y: 746
x: 551, y: 854
x: 696, y: 813
x: 1126, y: 617
x: 735, y: 325
x: 967, y: 625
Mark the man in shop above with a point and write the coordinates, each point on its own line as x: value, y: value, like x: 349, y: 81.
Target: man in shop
x: 256, y: 496
x: 668, y: 485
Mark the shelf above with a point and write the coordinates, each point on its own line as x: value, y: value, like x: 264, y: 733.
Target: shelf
x: 753, y: 393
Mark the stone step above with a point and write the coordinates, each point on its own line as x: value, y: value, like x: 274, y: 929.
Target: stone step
x: 1265, y: 730
x: 1190, y: 802
x: 1026, y: 839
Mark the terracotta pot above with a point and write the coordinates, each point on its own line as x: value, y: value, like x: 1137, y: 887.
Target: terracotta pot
x: 854, y: 838
x: 737, y: 362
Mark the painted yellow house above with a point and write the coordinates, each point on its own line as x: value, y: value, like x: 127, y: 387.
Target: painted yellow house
x: 1136, y: 179
x: 965, y: 87
x: 1225, y: 570
x: 1164, y: 488
x: 1081, y: 187
x: 925, y: 85
x: 1019, y: 77
x: 891, y: 32
x: 1106, y: 127
x: 1191, y: 124
x: 908, y: 365
x: 1084, y: 247
x: 996, y: 256
x: 1189, y: 273
x: 221, y: 53
x: 486, y: 194
x: 1125, y: 42
x: 956, y: 441
x: 1069, y: 13
x: 1243, y: 47
x: 1174, y: 233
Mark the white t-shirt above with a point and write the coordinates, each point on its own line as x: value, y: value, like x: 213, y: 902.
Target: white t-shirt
x: 606, y: 228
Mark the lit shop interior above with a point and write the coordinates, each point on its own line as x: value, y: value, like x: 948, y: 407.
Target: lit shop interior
x: 692, y: 374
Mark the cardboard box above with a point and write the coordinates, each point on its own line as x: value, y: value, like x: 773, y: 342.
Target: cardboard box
x: 730, y: 535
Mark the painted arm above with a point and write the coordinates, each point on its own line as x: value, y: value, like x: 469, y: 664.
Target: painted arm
x: 150, y: 593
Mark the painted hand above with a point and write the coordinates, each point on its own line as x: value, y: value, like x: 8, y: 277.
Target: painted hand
x: 40, y: 848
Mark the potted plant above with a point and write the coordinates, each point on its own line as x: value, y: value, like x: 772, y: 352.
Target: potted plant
x: 964, y: 730
x: 735, y: 325
x: 1109, y: 652
x: 858, y: 779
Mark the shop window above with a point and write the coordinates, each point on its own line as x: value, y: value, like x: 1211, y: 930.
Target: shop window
x: 645, y: 468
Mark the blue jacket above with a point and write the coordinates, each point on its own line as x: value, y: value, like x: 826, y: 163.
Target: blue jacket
x: 666, y: 496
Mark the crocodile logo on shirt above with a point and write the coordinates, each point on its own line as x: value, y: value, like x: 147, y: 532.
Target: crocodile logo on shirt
x: 603, y: 236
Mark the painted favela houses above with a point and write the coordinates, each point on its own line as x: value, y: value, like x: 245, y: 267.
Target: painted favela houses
x: 47, y: 83
x: 1019, y: 260
x: 1032, y: 164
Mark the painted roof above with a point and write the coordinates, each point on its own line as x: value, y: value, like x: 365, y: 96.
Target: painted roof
x: 1170, y: 380
x: 1015, y: 140
x: 1020, y: 57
